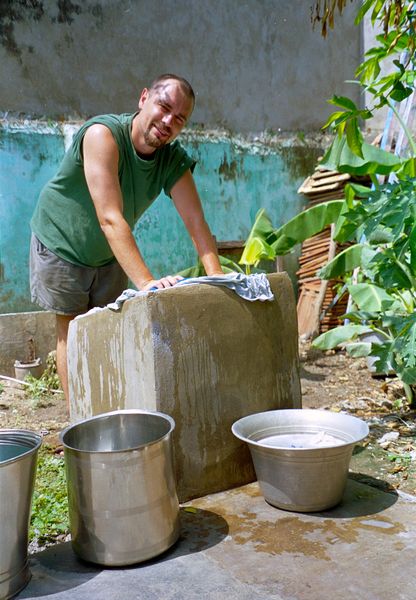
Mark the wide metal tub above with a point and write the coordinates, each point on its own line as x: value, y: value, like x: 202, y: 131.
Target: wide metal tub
x: 123, y: 505
x: 291, y: 475
x: 18, y: 454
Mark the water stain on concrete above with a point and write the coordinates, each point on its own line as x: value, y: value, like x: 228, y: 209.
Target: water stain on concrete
x: 299, y: 535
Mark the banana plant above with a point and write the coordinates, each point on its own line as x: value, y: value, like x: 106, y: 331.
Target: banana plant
x: 197, y: 270
x: 266, y: 242
x: 384, y: 298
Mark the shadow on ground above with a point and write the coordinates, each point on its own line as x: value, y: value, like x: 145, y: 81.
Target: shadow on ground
x: 57, y: 569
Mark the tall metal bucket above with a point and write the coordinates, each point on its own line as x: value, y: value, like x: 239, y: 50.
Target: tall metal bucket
x: 123, y: 505
x: 18, y: 454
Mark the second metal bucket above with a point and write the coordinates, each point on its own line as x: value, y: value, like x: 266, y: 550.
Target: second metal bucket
x: 18, y: 454
x: 301, y: 456
x: 123, y: 505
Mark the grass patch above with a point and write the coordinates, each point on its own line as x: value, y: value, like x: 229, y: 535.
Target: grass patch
x: 50, y: 503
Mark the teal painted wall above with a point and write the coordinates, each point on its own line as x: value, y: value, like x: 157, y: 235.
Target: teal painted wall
x: 27, y: 160
x: 234, y: 182
x: 234, y: 179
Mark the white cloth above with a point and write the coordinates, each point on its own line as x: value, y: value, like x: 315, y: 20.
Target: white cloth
x: 250, y: 287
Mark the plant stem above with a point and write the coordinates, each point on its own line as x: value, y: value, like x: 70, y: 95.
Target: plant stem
x: 405, y: 128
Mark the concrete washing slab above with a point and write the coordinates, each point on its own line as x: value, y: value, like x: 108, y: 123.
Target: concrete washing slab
x: 236, y: 546
x: 200, y: 354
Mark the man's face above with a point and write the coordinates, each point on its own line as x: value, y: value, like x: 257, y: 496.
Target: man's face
x: 164, y: 110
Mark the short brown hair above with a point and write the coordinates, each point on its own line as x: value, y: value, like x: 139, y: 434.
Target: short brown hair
x: 184, y: 84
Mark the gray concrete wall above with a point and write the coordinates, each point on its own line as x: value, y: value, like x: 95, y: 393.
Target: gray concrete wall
x: 200, y: 354
x: 255, y: 65
x: 16, y: 329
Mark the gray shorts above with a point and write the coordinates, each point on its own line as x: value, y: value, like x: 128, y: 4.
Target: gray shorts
x: 67, y: 289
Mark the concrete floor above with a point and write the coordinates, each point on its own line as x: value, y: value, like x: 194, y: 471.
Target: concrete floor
x: 235, y: 546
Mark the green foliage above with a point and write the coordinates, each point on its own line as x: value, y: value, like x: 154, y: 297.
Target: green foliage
x: 265, y: 242
x: 382, y: 219
x: 197, y: 270
x: 396, y: 19
x: 359, y: 159
x: 50, y: 505
x: 385, y: 298
x: 39, y: 390
x: 380, y: 222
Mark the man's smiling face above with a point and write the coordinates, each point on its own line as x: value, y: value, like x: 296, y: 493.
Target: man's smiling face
x: 164, y: 110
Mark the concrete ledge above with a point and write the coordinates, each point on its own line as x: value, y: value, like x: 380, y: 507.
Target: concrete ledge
x: 200, y: 354
x: 15, y: 331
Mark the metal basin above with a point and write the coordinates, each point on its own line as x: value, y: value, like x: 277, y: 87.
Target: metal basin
x: 123, y: 506
x: 18, y: 454
x: 301, y: 457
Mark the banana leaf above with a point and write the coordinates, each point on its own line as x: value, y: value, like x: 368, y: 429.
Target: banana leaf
x: 340, y: 335
x: 370, y: 297
x: 374, y: 160
x: 256, y: 246
x: 345, y: 261
x: 358, y: 349
x: 306, y: 224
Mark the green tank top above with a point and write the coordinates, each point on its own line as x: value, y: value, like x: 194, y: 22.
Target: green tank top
x: 65, y: 220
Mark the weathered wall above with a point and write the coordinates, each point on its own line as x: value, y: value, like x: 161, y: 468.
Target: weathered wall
x: 258, y: 68
x: 254, y: 65
x: 235, y: 179
x: 200, y: 354
x: 29, y: 156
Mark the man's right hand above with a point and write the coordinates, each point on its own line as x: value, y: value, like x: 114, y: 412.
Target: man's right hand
x: 163, y: 282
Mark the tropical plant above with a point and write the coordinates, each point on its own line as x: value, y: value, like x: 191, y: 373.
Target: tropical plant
x: 379, y: 268
x: 384, y: 290
x: 197, y: 270
x: 266, y: 242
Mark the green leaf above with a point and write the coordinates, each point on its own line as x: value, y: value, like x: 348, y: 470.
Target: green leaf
x: 344, y: 262
x: 305, y: 225
x: 370, y: 297
x: 365, y: 7
x: 354, y: 137
x: 256, y: 246
x: 343, y: 102
x: 337, y: 118
x: 334, y: 337
x: 412, y: 245
x: 375, y: 160
x: 358, y: 349
x: 255, y: 250
x: 400, y: 92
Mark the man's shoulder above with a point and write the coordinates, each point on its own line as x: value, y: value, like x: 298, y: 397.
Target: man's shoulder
x: 110, y: 119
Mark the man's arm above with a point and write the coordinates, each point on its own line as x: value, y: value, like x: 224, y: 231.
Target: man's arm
x: 101, y: 172
x: 188, y: 205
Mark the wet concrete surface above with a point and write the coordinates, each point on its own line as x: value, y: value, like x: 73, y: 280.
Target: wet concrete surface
x: 235, y: 545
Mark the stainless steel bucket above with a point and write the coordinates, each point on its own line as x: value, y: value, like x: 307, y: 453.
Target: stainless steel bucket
x: 123, y: 505
x: 18, y: 454
x: 301, y: 457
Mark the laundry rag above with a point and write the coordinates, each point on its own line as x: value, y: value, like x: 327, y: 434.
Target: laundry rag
x: 250, y: 287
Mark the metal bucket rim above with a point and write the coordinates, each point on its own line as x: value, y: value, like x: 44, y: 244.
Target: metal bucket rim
x: 28, y: 436
x: 126, y: 411
x: 253, y: 442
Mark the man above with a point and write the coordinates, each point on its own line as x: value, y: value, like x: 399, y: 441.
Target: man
x: 82, y: 248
